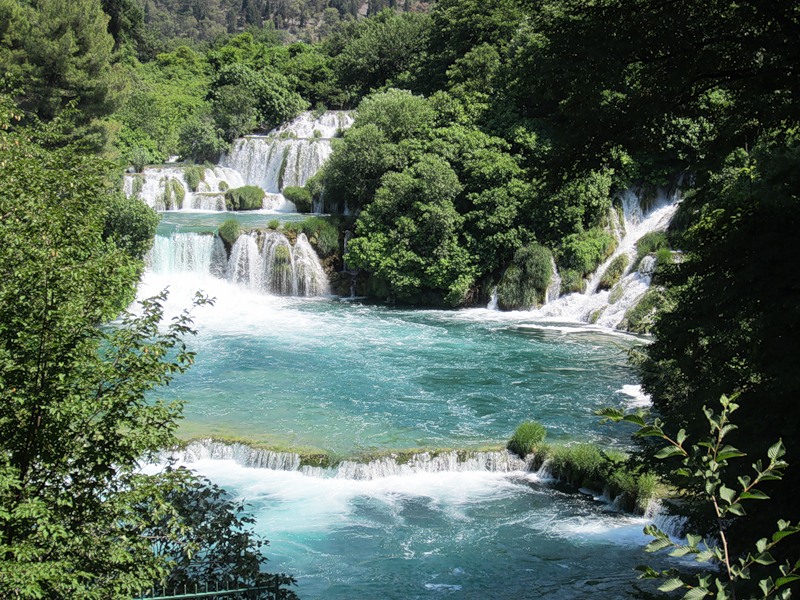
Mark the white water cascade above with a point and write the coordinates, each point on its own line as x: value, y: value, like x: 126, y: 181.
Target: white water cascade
x: 453, y: 461
x: 607, y: 308
x: 259, y: 260
x: 287, y: 156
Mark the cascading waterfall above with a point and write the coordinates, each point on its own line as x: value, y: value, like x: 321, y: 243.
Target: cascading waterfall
x: 287, y: 156
x: 244, y: 265
x: 390, y: 466
x: 309, y: 275
x: 278, y: 265
x: 608, y: 307
x: 554, y: 289
x: 165, y: 188
x: 259, y: 260
x: 201, y: 253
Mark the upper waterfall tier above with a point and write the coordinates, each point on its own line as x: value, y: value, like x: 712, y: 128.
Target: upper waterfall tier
x: 608, y: 307
x: 287, y: 156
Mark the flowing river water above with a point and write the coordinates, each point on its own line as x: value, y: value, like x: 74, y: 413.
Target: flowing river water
x: 351, y: 379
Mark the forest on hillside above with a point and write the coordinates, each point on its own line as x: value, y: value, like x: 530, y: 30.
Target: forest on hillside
x: 491, y: 140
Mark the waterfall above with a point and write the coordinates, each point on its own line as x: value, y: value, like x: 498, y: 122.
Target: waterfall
x: 278, y: 268
x: 259, y: 260
x: 554, y: 289
x: 501, y: 461
x: 287, y: 156
x: 187, y: 253
x: 608, y: 307
x: 244, y: 265
x: 165, y: 188
x: 310, y: 279
x: 492, y: 300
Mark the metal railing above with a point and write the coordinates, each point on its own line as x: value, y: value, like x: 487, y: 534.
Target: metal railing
x: 264, y: 592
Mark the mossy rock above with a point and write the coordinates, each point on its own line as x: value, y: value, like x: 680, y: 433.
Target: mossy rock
x: 193, y: 175
x: 229, y: 231
x: 524, y: 283
x: 613, y: 273
x: 300, y: 197
x: 248, y: 197
x: 572, y: 282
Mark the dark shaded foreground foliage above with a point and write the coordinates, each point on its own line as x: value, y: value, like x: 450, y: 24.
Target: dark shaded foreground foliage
x: 78, y: 518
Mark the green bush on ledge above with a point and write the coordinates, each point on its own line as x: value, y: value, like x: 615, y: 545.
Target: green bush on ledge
x: 527, y: 438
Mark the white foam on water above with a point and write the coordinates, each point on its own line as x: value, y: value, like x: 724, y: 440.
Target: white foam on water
x: 637, y: 396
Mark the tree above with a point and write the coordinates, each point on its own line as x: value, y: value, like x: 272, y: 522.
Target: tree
x: 380, y: 50
x: 705, y: 469
x: 76, y: 415
x: 58, y: 52
x: 735, y: 322
x: 409, y: 235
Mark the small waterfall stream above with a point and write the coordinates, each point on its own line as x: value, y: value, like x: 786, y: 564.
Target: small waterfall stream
x: 608, y: 307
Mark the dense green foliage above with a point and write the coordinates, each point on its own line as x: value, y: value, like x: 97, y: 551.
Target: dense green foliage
x: 229, y: 231
x: 54, y: 52
x: 78, y: 518
x: 323, y: 235
x: 525, y: 282
x: 613, y: 272
x: 248, y: 197
x: 300, y: 197
x: 483, y: 130
x: 526, y: 438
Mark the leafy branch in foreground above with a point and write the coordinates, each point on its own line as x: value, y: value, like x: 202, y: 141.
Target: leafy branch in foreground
x: 706, y: 462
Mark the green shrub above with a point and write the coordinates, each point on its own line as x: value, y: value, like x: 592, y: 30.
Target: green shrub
x: 274, y: 224
x: 613, y: 273
x: 229, y: 231
x: 301, y: 198
x: 223, y: 186
x: 139, y: 157
x: 527, y: 438
x: 663, y: 256
x: 641, y: 317
x: 137, y: 184
x: 323, y: 235
x: 193, y: 175
x: 178, y: 192
x: 294, y: 227
x: 314, y: 184
x: 249, y: 197
x: 524, y: 284
x: 655, y: 241
x: 580, y: 465
x: 572, y: 281
x: 583, y: 252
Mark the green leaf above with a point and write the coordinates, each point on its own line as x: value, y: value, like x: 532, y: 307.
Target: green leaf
x: 776, y: 451
x: 668, y: 451
x: 737, y: 510
x: 727, y: 494
x: 781, y: 581
x: 765, y: 558
x: 696, y: 593
x: 670, y: 585
x: 754, y: 495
